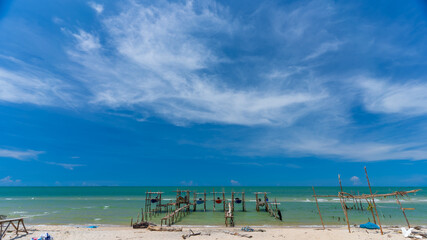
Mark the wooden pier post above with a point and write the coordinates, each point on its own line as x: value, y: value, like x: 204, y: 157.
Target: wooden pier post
x: 373, y: 201
x: 223, y: 200
x: 257, y: 202
x: 243, y: 202
x: 232, y: 201
x: 318, y: 209
x: 266, y: 202
x: 195, y: 201
x: 214, y: 200
x: 204, y: 195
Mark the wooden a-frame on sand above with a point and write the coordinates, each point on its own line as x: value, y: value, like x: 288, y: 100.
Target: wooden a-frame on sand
x: 369, y: 198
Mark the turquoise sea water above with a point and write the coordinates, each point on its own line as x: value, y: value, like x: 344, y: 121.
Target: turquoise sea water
x: 116, y: 205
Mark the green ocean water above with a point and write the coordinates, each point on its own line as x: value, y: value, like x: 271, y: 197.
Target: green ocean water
x: 117, y: 205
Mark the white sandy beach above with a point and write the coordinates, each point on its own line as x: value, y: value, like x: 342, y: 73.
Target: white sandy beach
x: 215, y: 233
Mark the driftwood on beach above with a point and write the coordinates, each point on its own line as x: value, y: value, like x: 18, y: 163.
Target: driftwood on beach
x: 238, y: 234
x: 164, y: 229
x: 191, y: 234
x: 142, y: 225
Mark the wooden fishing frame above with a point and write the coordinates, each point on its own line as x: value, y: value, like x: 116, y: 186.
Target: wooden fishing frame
x: 260, y: 203
x: 195, y: 200
x: 233, y: 200
x: 149, y: 212
x: 222, y: 201
x: 186, y: 201
x: 370, y: 199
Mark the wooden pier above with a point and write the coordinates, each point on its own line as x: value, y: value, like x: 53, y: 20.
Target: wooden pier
x: 178, y: 209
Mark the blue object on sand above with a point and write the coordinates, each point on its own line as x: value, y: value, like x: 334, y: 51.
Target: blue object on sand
x: 92, y: 227
x: 247, y: 229
x: 369, y: 225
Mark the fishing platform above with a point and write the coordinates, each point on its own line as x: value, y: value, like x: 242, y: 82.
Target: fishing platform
x: 187, y: 201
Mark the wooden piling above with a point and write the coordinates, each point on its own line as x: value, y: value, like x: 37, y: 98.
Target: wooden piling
x: 243, y: 202
x: 204, y: 197
x: 265, y: 202
x: 223, y: 199
x: 232, y: 201
x: 257, y: 202
x: 195, y: 199
x: 214, y: 200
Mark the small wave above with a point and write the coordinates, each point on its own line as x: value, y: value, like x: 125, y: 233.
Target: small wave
x: 97, y: 219
x: 18, y: 212
x: 37, y: 215
x: 106, y: 207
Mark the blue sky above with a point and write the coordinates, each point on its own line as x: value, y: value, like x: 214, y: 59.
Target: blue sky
x: 212, y: 92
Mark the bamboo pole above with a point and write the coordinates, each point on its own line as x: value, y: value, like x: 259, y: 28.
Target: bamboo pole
x: 214, y: 199
x: 343, y: 205
x: 223, y: 199
x: 373, y: 201
x: 363, y: 196
x: 318, y: 209
x: 403, y: 211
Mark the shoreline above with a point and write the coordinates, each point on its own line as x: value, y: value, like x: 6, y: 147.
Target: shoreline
x: 67, y: 232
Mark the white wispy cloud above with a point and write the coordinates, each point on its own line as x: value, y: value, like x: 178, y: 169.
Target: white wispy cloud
x: 99, y: 8
x: 161, y: 58
x: 234, y: 182
x: 20, y: 155
x: 357, y: 151
x: 86, y: 41
x: 382, y: 96
x: 8, y: 181
x: 324, y: 48
x: 355, y: 180
x: 69, y: 166
x: 187, y: 183
x: 32, y: 86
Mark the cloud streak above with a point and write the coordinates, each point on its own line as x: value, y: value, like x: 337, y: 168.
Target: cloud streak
x: 68, y: 166
x: 381, y: 96
x: 20, y: 155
